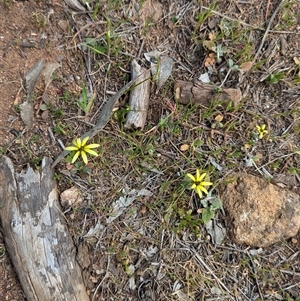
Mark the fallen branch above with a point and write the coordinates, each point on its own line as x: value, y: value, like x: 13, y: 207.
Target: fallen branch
x: 36, y: 236
x: 139, y: 97
x: 204, y: 94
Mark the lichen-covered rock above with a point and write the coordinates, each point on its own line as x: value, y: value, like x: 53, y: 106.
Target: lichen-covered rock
x: 260, y: 213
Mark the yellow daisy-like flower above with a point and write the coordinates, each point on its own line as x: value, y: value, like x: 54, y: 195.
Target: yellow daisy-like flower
x: 199, y: 183
x: 261, y: 130
x: 82, y: 149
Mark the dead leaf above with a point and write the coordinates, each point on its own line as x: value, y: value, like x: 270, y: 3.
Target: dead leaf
x: 210, y: 60
x: 204, y: 78
x: 48, y: 71
x: 219, y: 118
x: 165, y: 70
x: 161, y: 67
x: 31, y: 78
x: 184, y: 147
x: 212, y: 35
x: 151, y: 10
x: 143, y: 210
x: 74, y: 4
x: 27, y: 113
x: 235, y: 95
x: 216, y: 231
x: 153, y: 56
x: 297, y: 61
x: 246, y: 66
x: 69, y: 166
x: 181, y: 296
x: 45, y: 115
x: 208, y: 44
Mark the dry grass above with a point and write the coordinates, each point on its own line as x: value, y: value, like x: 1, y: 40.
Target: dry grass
x: 156, y: 248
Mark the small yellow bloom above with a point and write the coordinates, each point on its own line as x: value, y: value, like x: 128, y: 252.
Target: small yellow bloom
x: 261, y: 130
x: 199, y: 183
x: 82, y: 149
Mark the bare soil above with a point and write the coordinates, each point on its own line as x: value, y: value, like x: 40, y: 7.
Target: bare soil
x: 34, y: 30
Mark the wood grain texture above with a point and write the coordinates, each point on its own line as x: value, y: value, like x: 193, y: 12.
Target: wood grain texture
x: 36, y: 237
x: 139, y: 97
x: 202, y: 93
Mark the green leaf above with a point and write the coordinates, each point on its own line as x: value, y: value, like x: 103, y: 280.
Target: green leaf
x: 216, y: 204
x: 43, y: 107
x: 275, y: 78
x: 207, y: 215
x: 204, y: 203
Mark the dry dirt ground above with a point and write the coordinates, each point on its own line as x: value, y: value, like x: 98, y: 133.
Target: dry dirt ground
x: 157, y: 249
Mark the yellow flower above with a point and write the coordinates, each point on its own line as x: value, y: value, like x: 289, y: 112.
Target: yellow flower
x: 82, y: 149
x: 199, y: 183
x: 261, y: 130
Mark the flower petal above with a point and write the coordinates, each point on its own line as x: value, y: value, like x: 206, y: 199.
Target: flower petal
x: 203, y: 189
x: 92, y: 152
x: 198, y: 190
x: 84, y: 157
x: 202, y: 177
x: 94, y: 145
x: 77, y: 143
x: 194, y: 186
x: 206, y: 183
x: 197, y: 175
x: 191, y: 177
x: 71, y: 148
x: 75, y: 156
x: 84, y: 141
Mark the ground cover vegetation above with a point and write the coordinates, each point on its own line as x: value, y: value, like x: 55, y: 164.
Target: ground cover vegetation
x: 156, y: 189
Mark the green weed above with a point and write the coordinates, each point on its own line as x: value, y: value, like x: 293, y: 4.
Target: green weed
x: 274, y: 78
x: 85, y: 102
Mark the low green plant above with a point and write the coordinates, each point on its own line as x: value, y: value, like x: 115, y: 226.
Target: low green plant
x: 274, y: 78
x: 85, y: 102
x: 188, y: 220
x: 6, y: 3
x: 38, y: 20
x: 3, y: 150
x: 211, y: 204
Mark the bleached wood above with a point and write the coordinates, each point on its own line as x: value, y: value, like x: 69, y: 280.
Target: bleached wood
x: 36, y: 236
x: 202, y: 93
x: 139, y: 97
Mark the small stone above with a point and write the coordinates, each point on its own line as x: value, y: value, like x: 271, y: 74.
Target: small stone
x: 63, y: 25
x: 70, y: 197
x: 260, y: 213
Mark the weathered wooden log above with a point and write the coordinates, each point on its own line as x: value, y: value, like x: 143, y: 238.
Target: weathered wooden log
x: 36, y: 237
x: 201, y: 93
x: 139, y: 97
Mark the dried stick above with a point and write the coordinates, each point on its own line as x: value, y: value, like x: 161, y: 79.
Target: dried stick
x: 139, y: 97
x: 267, y: 31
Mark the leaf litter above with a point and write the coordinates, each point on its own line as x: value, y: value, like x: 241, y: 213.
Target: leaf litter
x: 198, y: 265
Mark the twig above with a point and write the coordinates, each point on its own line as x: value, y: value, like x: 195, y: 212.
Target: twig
x: 200, y: 260
x: 267, y: 30
x: 256, y: 278
x: 249, y: 25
